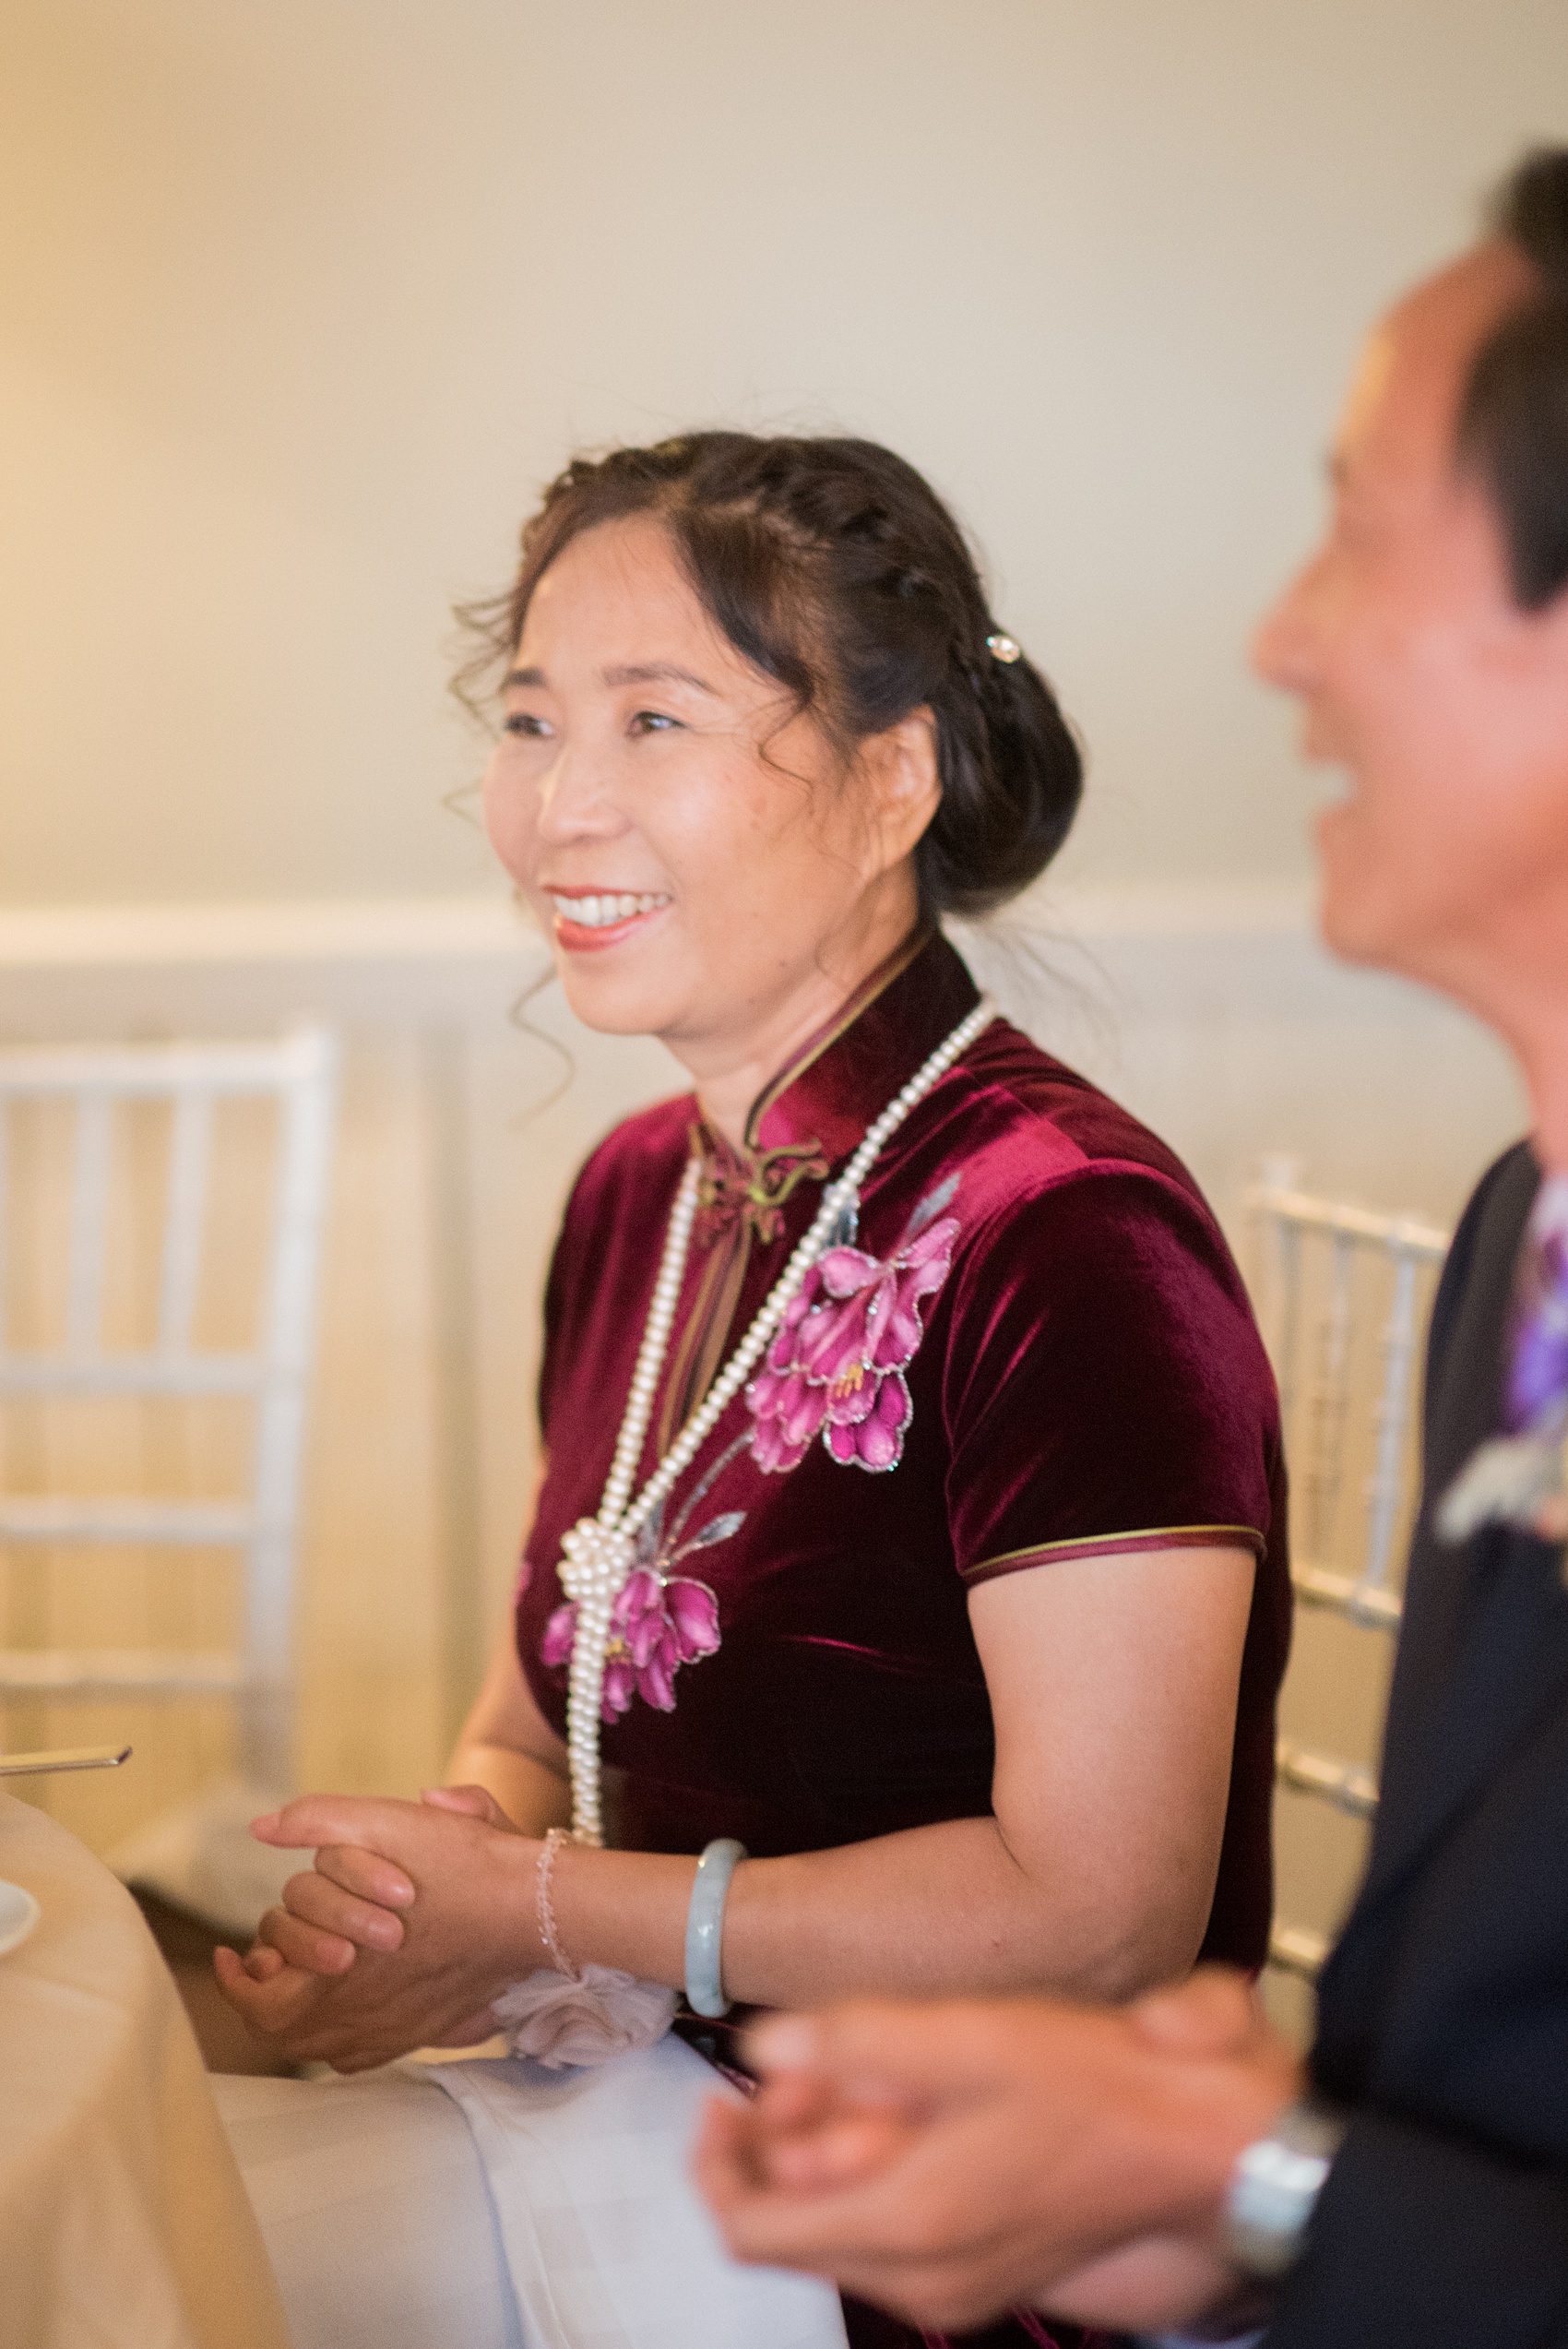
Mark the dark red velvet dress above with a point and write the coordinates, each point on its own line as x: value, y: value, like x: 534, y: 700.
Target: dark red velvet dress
x: 1039, y: 1348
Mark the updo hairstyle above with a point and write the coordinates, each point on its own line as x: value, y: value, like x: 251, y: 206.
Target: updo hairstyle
x: 832, y: 567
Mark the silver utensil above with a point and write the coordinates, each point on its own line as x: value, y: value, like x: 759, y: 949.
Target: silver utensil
x: 64, y: 1757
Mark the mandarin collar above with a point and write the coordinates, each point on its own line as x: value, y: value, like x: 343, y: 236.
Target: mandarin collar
x: 840, y: 1079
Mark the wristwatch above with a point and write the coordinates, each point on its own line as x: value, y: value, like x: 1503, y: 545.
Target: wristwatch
x: 1275, y: 2186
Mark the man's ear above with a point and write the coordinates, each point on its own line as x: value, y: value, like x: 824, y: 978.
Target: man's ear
x: 900, y: 776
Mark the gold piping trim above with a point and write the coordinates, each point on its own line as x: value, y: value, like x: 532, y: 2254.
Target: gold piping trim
x: 1105, y: 1540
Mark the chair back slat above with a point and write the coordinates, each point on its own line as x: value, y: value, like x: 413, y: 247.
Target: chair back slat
x: 1348, y: 1405
x: 4, y: 1224
x: 190, y: 1162
x: 303, y: 1152
x: 184, y: 1083
x: 1328, y: 1397
x: 1387, y: 1487
x: 90, y: 1219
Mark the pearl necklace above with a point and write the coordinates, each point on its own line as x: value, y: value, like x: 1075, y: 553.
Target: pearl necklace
x: 599, y: 1553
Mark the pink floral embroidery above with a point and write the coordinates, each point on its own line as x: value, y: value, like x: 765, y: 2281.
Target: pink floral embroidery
x: 660, y: 1620
x: 655, y: 1627
x: 838, y: 1364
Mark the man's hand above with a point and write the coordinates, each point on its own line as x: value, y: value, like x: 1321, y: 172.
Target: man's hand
x: 450, y: 1879
x: 953, y: 2161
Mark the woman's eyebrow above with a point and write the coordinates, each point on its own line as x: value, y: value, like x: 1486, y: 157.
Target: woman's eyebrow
x: 653, y: 673
x: 641, y: 672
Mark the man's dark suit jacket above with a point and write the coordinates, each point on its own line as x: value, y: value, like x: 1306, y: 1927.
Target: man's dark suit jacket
x: 1443, y: 2011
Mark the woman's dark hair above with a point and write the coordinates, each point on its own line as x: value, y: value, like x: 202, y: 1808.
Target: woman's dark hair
x: 1514, y: 416
x: 832, y: 567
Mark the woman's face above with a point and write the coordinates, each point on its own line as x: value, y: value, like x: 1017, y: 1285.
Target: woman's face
x: 694, y: 853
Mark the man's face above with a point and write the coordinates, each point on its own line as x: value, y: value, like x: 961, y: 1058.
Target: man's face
x: 1444, y: 703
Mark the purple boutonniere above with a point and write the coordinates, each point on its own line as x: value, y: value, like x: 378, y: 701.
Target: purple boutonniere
x: 1520, y: 1477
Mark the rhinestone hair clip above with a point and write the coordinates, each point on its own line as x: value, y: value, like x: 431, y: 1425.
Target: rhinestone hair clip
x: 1002, y: 647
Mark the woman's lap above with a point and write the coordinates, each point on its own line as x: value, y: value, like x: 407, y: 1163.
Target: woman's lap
x: 500, y: 2206
x: 608, y: 2240
x: 373, y: 2205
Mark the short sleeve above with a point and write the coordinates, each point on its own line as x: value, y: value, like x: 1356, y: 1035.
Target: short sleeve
x: 1106, y: 1388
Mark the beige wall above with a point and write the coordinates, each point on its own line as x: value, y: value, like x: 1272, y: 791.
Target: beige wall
x: 299, y: 302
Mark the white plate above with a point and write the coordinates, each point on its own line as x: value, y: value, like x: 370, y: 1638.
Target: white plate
x: 19, y: 1913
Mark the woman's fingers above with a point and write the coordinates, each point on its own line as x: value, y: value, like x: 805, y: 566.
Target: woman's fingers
x: 408, y: 1838
x: 306, y: 1946
x: 477, y: 1802
x: 229, y: 1969
x: 317, y: 1901
x: 306, y: 2017
x: 272, y: 2009
x: 367, y: 1877
x: 314, y: 1819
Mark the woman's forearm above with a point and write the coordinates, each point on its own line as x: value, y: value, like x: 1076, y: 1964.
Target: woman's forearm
x: 932, y: 1911
x: 949, y: 1908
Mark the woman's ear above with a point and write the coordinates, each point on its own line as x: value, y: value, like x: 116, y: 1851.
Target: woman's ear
x: 902, y: 784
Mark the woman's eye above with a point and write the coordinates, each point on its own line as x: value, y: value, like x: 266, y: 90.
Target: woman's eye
x: 524, y: 724
x: 653, y: 721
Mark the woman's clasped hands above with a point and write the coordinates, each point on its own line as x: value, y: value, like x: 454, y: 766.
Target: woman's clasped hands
x: 410, y: 1921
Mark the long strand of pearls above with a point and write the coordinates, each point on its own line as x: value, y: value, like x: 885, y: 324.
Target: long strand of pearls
x: 599, y: 1553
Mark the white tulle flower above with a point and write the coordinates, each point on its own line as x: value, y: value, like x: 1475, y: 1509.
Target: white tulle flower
x: 560, y: 2021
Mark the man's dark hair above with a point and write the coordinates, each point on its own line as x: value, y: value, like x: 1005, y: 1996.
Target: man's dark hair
x: 1513, y: 417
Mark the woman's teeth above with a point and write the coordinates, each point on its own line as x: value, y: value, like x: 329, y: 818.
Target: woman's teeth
x: 598, y: 913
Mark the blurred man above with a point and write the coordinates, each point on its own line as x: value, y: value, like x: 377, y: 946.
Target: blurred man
x: 1171, y: 2166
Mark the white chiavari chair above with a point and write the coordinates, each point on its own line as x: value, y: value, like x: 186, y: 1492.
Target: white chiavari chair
x: 101, y: 1090
x: 1344, y: 1297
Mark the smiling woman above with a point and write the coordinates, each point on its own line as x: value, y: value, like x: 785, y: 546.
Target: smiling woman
x: 912, y: 1545
x: 791, y: 811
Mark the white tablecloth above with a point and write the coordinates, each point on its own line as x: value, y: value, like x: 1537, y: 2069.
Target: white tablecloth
x: 122, y: 2221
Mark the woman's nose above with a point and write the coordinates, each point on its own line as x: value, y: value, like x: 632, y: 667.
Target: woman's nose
x: 574, y: 800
